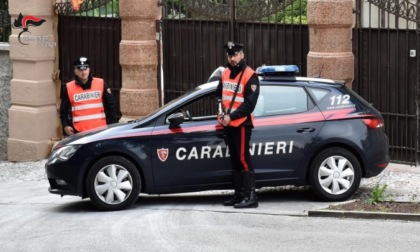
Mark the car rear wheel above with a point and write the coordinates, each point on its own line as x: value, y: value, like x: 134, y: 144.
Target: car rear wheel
x: 113, y: 183
x: 335, y: 174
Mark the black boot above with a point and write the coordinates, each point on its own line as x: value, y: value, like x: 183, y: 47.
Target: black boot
x: 235, y: 199
x: 238, y: 196
x: 249, y: 201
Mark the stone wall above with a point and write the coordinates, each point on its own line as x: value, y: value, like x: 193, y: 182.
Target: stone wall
x: 5, y: 77
x: 330, y: 31
x: 138, y: 58
x: 33, y: 119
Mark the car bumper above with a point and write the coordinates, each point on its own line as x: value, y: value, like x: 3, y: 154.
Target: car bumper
x: 378, y: 156
x: 63, y: 179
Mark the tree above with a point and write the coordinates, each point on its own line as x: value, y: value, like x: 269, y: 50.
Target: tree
x: 293, y: 14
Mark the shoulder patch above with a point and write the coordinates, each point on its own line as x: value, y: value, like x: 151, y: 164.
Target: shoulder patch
x: 109, y: 91
x: 253, y: 87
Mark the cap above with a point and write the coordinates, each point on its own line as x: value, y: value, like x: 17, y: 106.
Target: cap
x: 232, y: 47
x: 81, y: 63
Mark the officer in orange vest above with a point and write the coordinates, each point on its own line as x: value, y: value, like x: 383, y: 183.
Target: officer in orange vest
x: 238, y: 91
x: 86, y: 102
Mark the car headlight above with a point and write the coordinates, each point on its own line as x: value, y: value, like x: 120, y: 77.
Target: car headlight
x: 63, y: 153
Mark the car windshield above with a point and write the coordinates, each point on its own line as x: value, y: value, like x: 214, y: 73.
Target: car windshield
x: 188, y: 93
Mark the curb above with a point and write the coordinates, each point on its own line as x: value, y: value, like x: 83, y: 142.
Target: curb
x: 364, y: 215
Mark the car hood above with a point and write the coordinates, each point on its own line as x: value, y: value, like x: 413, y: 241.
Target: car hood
x: 108, y: 132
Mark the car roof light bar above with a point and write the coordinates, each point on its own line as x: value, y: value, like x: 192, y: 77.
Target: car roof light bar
x: 277, y: 70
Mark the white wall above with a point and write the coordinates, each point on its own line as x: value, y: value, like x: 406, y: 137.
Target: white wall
x: 373, y: 17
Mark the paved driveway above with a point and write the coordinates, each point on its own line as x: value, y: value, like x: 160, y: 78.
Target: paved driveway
x: 31, y: 219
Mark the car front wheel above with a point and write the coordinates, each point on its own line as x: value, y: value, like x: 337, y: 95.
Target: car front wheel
x: 113, y: 183
x: 335, y: 174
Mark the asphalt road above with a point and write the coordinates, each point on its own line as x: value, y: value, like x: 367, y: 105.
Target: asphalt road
x: 31, y: 219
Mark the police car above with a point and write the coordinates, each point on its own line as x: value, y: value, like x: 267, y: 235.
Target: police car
x: 308, y: 131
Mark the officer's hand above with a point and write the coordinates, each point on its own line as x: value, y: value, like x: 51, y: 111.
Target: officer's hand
x: 69, y: 130
x: 226, y: 120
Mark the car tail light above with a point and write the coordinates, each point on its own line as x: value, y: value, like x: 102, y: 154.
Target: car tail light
x: 374, y: 123
x: 382, y: 165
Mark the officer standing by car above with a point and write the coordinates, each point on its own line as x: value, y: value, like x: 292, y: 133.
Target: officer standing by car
x: 86, y: 102
x: 238, y: 90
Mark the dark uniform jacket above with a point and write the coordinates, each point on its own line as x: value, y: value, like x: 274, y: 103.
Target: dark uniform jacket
x: 110, y: 105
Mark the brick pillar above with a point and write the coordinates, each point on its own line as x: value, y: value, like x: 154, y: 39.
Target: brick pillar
x: 138, y: 58
x: 330, y: 31
x: 33, y: 114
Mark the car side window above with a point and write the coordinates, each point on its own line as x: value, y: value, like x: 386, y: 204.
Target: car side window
x: 281, y: 100
x: 202, y: 109
x: 319, y: 93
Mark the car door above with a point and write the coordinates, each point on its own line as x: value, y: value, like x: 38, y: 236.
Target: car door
x: 286, y: 124
x: 194, y: 153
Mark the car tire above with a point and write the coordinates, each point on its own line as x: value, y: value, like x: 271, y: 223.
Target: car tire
x: 335, y: 174
x: 113, y: 183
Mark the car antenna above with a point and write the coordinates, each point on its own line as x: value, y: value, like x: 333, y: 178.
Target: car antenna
x: 320, y: 71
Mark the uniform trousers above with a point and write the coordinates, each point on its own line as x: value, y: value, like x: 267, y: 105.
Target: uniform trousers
x: 238, y: 139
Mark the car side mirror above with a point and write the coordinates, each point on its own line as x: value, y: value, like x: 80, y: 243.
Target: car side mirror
x: 216, y: 75
x: 175, y: 120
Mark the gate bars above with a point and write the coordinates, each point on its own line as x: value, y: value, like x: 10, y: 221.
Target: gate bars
x: 387, y: 70
x: 95, y: 32
x: 194, y: 31
x: 5, y: 27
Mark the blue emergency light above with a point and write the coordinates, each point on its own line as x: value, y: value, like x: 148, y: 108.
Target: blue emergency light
x: 285, y: 69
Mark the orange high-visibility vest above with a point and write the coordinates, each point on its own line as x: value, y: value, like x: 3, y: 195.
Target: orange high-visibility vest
x: 86, y: 105
x: 229, y: 87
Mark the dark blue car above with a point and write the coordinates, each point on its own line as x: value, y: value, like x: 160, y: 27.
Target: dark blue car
x: 308, y: 131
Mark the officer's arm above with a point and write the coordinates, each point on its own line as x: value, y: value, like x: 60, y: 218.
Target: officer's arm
x: 110, y: 106
x: 65, y: 107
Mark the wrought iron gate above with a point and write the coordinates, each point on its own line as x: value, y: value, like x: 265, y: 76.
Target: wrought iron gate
x: 93, y: 31
x: 194, y: 32
x: 386, y: 41
x: 5, y: 28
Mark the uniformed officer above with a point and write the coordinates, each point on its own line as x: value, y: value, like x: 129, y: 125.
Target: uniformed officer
x: 239, y: 89
x: 86, y: 102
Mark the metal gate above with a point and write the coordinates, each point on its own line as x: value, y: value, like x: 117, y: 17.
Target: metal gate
x: 194, y: 32
x: 385, y: 44
x: 5, y: 28
x: 93, y: 31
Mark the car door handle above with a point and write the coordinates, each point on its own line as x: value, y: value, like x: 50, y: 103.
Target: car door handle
x: 305, y: 130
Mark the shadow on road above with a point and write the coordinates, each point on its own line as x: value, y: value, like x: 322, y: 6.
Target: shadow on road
x: 217, y: 197
x: 278, y: 199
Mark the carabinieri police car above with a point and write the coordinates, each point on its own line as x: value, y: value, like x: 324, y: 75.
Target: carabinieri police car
x: 308, y: 131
